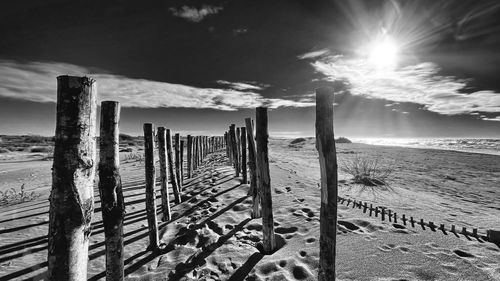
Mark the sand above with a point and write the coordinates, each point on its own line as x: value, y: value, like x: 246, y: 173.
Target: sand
x: 212, y: 237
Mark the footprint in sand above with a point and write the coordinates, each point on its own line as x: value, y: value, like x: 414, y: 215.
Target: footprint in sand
x: 300, y: 273
x: 286, y: 230
x: 310, y: 240
x: 463, y: 254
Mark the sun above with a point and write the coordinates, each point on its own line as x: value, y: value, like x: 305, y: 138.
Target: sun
x: 382, y: 53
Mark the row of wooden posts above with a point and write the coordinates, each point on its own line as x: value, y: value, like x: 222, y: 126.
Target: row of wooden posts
x: 197, y: 148
x: 72, y: 202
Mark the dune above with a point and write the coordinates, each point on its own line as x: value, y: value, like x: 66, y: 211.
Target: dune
x: 212, y: 236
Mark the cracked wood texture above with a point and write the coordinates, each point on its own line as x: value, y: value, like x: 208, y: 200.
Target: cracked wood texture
x: 173, y: 180
x: 325, y: 144
x: 73, y: 172
x: 162, y: 153
x: 149, y: 166
x: 253, y: 170
x: 110, y: 189
x: 264, y: 180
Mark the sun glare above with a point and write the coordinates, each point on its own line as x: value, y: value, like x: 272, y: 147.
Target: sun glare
x: 382, y: 53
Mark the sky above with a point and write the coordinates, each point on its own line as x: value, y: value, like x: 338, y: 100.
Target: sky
x: 425, y: 68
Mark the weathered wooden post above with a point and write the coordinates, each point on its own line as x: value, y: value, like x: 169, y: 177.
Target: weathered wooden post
x: 173, y: 180
x: 189, y: 156
x: 73, y: 172
x: 149, y: 165
x: 177, y: 145
x: 325, y: 144
x: 234, y: 149
x: 238, y: 148
x: 110, y: 189
x: 253, y: 169
x: 182, y: 162
x: 243, y: 142
x: 228, y: 148
x: 264, y: 180
x: 162, y: 153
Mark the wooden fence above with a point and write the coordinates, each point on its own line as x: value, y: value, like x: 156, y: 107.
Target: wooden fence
x: 72, y: 202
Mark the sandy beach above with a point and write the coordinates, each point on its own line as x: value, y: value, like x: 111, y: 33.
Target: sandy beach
x: 212, y: 236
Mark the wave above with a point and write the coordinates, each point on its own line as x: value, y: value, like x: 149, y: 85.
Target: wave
x: 473, y: 145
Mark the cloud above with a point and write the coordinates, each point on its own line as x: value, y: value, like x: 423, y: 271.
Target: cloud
x: 193, y: 14
x: 243, y: 86
x: 420, y: 84
x: 313, y: 54
x: 36, y: 81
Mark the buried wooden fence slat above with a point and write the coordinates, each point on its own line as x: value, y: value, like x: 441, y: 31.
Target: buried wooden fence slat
x: 173, y: 180
x: 189, y: 156
x: 71, y: 197
x: 149, y: 165
x: 162, y: 153
x: 243, y: 154
x: 177, y: 150
x: 110, y: 189
x: 182, y: 162
x: 325, y: 144
x: 264, y: 180
x: 253, y: 172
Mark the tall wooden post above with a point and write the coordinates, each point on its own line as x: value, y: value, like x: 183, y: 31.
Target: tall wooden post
x: 173, y: 180
x: 243, y: 141
x: 177, y: 145
x: 110, y: 189
x: 189, y: 156
x: 264, y: 180
x: 149, y: 165
x: 181, y: 164
x: 238, y: 146
x: 162, y: 153
x: 325, y: 144
x: 228, y: 148
x: 253, y: 169
x: 73, y: 172
x: 234, y: 149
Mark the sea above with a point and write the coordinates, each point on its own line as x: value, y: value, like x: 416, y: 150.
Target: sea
x: 472, y: 145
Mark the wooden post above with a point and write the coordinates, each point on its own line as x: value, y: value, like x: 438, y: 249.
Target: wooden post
x: 234, y: 149
x: 264, y: 180
x: 244, y: 155
x: 110, y: 189
x: 162, y: 153
x: 177, y: 146
x: 251, y: 162
x: 182, y: 162
x: 325, y: 144
x: 238, y: 148
x: 227, y: 137
x: 189, y: 156
x: 173, y: 180
x: 73, y: 172
x: 149, y: 165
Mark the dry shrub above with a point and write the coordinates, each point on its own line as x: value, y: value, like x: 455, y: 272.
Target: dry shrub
x: 12, y: 196
x: 368, y: 172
